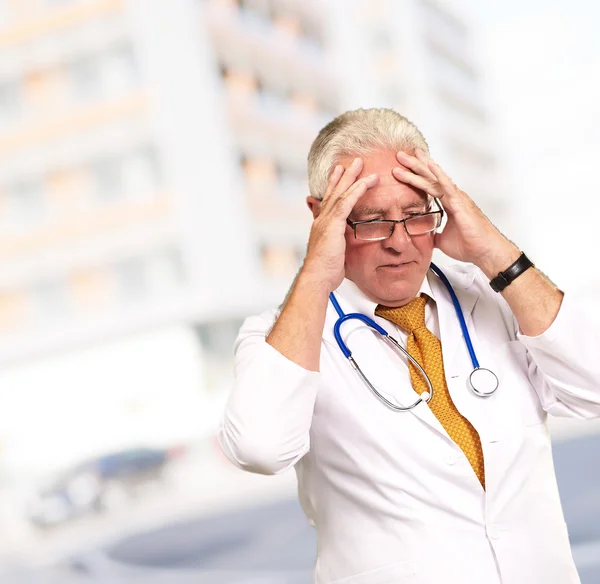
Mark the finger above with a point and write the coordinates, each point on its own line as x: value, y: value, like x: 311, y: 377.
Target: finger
x: 430, y: 176
x: 334, y: 178
x: 424, y: 158
x: 349, y: 177
x: 431, y: 187
x: 417, y: 166
x: 346, y: 202
x: 440, y: 176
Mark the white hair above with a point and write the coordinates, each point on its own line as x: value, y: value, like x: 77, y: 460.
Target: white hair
x: 359, y: 132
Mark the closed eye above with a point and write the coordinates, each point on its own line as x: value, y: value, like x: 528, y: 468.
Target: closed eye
x: 370, y: 220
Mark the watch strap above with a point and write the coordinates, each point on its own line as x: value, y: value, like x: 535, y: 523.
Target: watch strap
x: 503, y: 279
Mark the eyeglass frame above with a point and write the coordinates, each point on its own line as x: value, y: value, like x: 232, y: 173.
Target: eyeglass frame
x: 394, y: 222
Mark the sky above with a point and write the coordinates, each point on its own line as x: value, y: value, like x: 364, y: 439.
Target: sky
x: 541, y: 63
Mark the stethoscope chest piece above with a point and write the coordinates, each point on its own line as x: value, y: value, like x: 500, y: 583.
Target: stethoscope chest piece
x: 483, y: 382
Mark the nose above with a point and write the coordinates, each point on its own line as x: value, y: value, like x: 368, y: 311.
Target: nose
x: 399, y: 240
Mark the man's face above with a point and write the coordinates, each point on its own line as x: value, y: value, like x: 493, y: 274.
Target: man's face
x: 389, y: 271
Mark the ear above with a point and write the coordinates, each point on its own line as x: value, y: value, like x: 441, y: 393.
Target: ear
x: 314, y: 205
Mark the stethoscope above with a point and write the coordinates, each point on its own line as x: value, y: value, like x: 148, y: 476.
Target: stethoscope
x: 483, y: 382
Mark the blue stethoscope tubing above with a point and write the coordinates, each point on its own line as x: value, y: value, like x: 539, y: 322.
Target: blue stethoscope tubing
x: 483, y: 382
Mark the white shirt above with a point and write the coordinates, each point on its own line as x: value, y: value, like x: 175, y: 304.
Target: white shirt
x: 348, y: 289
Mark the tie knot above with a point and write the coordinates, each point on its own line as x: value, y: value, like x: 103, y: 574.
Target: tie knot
x: 409, y: 317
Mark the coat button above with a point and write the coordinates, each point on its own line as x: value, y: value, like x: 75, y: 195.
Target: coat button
x: 494, y: 532
x: 451, y: 459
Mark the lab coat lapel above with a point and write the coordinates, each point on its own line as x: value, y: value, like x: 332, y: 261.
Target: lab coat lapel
x: 451, y: 335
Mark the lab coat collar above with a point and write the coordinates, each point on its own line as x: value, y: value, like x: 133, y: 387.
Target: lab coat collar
x: 460, y: 278
x: 359, y: 302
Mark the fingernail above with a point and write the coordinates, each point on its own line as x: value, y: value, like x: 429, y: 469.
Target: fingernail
x: 356, y: 162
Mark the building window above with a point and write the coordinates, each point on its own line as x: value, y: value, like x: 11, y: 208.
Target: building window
x: 10, y: 103
x: 217, y: 340
x: 12, y: 310
x: 165, y: 271
x: 292, y: 184
x: 471, y: 155
x: 461, y: 111
x: 241, y: 86
x: 379, y: 39
x: 50, y: 300
x: 90, y: 289
x: 59, y: 3
x: 442, y: 22
x: 85, y: 77
x: 453, y: 73
x: 131, y: 280
x: 218, y: 337
x: 279, y: 260
x: 26, y: 203
x: 120, y: 71
x: 273, y: 103
x: 260, y: 178
x: 256, y: 13
x: 107, y: 178
x: 142, y: 174
x: 5, y: 14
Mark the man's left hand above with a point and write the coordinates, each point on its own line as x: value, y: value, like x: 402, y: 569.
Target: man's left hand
x: 468, y: 236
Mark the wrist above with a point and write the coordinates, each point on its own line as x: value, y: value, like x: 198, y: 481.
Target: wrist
x: 314, y: 275
x: 312, y: 282
x: 498, y: 259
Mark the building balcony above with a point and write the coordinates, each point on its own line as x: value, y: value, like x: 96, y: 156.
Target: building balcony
x: 275, y: 56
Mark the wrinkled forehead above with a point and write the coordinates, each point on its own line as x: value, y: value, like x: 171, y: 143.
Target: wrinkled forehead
x: 389, y: 192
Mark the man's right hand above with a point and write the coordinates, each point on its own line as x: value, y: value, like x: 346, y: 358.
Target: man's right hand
x: 327, y: 243
x: 298, y: 330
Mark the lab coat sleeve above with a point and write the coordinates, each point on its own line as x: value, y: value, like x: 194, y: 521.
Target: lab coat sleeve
x: 266, y: 424
x: 564, y: 363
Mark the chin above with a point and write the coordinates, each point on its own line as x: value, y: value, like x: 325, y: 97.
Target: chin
x: 396, y: 292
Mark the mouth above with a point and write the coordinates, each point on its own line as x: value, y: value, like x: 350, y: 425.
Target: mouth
x: 398, y: 266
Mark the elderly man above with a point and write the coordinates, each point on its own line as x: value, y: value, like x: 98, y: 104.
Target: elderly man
x: 412, y: 473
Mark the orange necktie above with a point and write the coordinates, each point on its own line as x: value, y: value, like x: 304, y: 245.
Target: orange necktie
x: 426, y: 349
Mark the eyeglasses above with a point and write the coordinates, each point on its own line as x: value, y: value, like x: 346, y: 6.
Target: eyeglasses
x: 378, y: 229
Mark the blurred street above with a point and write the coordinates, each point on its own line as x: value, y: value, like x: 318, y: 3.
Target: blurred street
x: 220, y: 526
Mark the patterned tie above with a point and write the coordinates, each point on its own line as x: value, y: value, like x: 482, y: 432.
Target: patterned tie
x: 425, y: 347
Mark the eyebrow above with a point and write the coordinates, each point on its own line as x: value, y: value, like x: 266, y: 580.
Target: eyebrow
x: 365, y: 210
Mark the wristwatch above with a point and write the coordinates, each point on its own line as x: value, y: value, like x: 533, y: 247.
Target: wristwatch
x: 503, y: 279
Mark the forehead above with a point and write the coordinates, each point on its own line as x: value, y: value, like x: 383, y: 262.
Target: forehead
x: 388, y: 192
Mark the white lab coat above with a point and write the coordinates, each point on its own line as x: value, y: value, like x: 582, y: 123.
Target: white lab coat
x: 392, y: 497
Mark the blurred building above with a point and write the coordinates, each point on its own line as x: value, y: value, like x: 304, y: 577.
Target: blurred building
x: 153, y: 161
